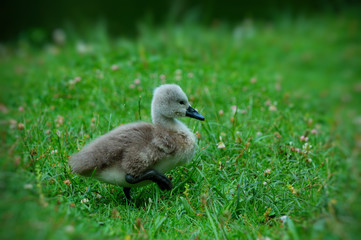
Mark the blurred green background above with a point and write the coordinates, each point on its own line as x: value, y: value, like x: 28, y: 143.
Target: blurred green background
x: 37, y: 18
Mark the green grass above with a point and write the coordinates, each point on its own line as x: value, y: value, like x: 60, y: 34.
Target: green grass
x: 287, y: 79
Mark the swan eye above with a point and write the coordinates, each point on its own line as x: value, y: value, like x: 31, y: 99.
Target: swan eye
x: 181, y: 102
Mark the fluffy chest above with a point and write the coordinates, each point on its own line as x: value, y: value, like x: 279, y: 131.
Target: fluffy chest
x: 184, y: 152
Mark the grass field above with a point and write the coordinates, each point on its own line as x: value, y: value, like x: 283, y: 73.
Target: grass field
x: 278, y: 154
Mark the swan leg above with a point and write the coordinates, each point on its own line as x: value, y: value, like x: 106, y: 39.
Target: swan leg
x: 152, y: 175
x: 126, y: 191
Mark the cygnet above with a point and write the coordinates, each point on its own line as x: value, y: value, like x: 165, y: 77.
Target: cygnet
x: 137, y: 154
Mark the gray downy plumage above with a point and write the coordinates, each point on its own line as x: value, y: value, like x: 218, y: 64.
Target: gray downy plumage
x: 137, y: 147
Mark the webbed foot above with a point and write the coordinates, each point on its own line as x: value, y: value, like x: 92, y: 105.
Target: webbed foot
x: 126, y: 191
x: 152, y: 175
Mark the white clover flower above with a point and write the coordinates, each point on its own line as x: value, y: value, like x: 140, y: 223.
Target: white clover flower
x: 284, y: 218
x: 83, y: 48
x: 28, y: 186
x: 59, y: 36
x: 13, y: 123
x: 114, y: 67
x: 243, y: 111
x: 221, y: 145
x: 272, y: 108
x: 21, y: 126
x: 137, y: 81
x: 263, y: 238
x: 69, y: 228
x: 306, y: 147
x: 3, y: 109
x: 77, y: 79
x: 85, y: 200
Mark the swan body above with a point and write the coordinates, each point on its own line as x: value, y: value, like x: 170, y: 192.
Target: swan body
x: 138, y: 153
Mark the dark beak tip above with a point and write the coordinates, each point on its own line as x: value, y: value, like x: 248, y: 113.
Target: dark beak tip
x: 191, y: 112
x: 198, y: 117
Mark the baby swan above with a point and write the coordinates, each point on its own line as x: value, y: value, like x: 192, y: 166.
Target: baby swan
x: 139, y: 153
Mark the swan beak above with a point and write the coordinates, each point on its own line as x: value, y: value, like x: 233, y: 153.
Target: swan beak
x: 191, y: 112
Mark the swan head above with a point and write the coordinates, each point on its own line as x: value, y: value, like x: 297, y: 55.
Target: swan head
x: 169, y: 101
